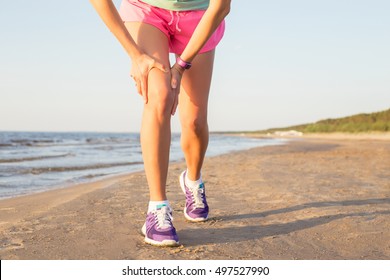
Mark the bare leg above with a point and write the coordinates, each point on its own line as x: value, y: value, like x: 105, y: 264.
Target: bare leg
x: 194, y: 93
x: 156, y: 127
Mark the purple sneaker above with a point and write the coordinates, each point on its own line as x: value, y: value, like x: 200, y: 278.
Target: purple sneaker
x: 196, y: 209
x: 158, y: 228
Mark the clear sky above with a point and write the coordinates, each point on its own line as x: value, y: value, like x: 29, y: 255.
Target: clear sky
x: 281, y: 62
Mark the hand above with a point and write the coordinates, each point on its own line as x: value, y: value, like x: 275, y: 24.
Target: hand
x: 140, y: 70
x: 176, y: 75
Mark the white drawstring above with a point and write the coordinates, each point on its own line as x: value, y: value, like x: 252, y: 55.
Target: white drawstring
x: 177, y: 22
x: 173, y: 18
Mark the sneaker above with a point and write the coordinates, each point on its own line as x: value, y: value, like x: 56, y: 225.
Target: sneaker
x: 196, y: 209
x: 158, y: 228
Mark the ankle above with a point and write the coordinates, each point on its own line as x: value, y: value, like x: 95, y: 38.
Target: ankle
x: 193, y: 176
x: 193, y: 183
x: 154, y: 205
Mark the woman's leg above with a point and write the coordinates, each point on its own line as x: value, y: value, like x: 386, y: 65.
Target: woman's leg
x: 156, y: 128
x: 193, y: 100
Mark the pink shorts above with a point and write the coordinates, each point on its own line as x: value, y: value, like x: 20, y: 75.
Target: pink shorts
x: 178, y: 26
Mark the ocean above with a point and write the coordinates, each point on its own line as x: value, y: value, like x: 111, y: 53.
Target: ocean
x: 37, y: 161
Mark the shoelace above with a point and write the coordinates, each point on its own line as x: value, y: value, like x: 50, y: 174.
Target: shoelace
x: 164, y: 217
x: 198, y: 194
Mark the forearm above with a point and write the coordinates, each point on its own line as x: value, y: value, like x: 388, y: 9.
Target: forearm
x: 214, y: 15
x: 112, y: 19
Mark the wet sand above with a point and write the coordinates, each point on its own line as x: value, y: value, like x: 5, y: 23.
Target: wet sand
x: 314, y: 198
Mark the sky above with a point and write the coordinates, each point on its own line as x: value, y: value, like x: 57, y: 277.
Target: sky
x: 281, y: 63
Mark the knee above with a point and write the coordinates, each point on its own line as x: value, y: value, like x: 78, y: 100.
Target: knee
x: 196, y: 125
x: 160, y: 101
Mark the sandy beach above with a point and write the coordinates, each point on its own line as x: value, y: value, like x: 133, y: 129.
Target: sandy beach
x: 313, y: 198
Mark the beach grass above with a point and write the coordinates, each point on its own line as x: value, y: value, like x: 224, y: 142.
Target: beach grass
x: 360, y: 123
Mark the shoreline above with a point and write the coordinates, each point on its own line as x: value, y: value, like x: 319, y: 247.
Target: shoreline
x: 318, y: 199
x: 331, y: 135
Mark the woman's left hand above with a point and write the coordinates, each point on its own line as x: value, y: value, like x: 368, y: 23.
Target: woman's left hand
x: 176, y: 75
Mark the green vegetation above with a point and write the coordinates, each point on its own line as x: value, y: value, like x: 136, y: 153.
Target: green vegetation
x: 379, y: 122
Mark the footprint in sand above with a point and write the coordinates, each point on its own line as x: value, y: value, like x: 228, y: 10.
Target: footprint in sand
x: 7, y: 244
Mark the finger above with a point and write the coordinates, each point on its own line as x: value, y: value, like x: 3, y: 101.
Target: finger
x: 144, y: 88
x: 173, y: 82
x: 132, y: 74
x: 176, y: 77
x: 138, y: 85
x: 175, y: 103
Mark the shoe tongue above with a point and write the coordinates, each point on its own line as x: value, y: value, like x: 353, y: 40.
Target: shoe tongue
x: 198, y: 189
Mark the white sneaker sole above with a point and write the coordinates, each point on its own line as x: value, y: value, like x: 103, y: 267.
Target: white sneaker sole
x: 194, y: 219
x: 164, y: 243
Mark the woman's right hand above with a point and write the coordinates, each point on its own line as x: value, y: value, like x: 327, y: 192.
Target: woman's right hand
x: 141, y: 66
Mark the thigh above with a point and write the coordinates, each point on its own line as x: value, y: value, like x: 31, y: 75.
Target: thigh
x: 195, y: 87
x: 154, y: 43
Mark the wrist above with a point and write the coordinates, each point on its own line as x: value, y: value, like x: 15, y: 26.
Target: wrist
x: 178, y: 68
x: 135, y: 54
x: 183, y: 64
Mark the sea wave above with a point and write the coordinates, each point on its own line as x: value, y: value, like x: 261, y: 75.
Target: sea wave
x: 40, y: 170
x: 30, y: 142
x: 11, y: 160
x: 63, y: 139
